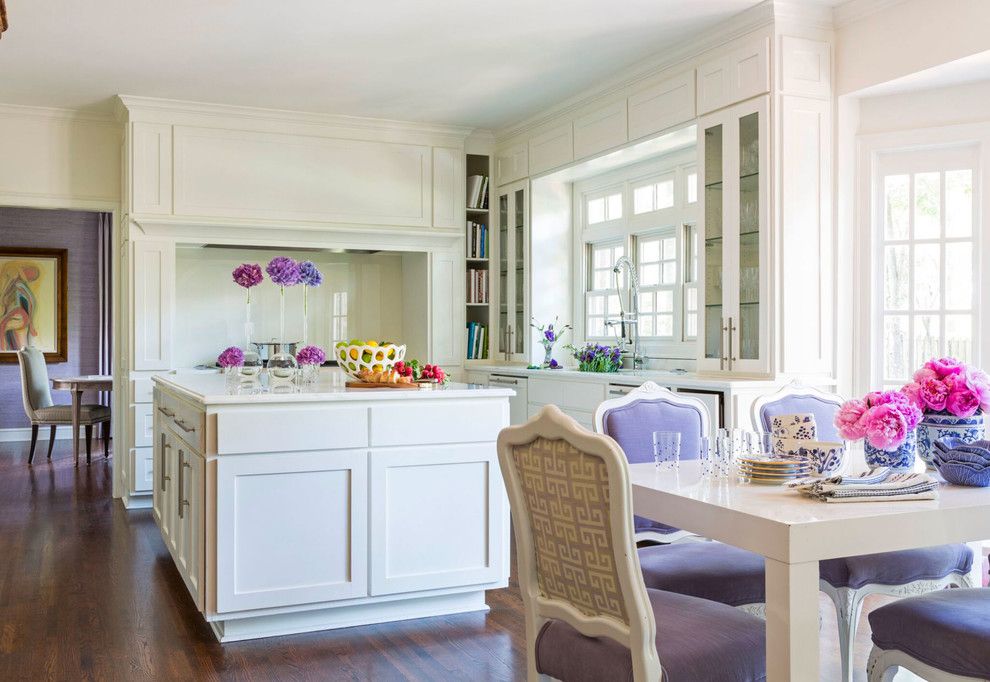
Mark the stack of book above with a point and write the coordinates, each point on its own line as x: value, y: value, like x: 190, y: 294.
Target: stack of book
x: 477, y: 286
x: 477, y: 240
x: 477, y: 191
x: 477, y: 341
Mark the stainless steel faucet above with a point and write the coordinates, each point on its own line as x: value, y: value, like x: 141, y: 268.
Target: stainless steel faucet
x: 628, y: 322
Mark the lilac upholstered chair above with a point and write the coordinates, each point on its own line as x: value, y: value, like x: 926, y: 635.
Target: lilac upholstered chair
x: 631, y: 421
x: 848, y: 580
x: 941, y: 637
x: 710, y: 570
x: 589, y: 616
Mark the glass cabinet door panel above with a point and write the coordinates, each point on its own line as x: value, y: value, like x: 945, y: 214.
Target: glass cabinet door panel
x: 503, y: 265
x: 713, y: 274
x: 519, y: 237
x: 749, y: 237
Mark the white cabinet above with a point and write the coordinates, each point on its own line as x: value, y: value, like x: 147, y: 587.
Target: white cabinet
x: 519, y: 403
x: 153, y: 302
x: 601, y: 129
x: 512, y: 290
x: 189, y: 525
x: 742, y: 73
x: 552, y: 148
x: 151, y: 168
x: 448, y: 186
x: 512, y: 163
x: 735, y: 257
x: 661, y: 106
x: 418, y: 495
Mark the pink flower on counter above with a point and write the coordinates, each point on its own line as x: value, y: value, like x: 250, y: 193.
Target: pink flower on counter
x: 247, y: 275
x: 231, y: 357
x: 978, y: 382
x: 934, y: 393
x: 913, y: 392
x: 963, y: 403
x: 923, y: 375
x: 944, y: 367
x: 849, y: 419
x: 886, y: 428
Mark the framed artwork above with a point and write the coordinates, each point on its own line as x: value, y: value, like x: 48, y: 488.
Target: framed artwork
x: 33, y: 302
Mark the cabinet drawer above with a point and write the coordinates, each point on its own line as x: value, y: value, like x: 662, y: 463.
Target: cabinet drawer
x: 142, y: 469
x: 142, y: 425
x: 293, y: 429
x: 577, y: 395
x: 141, y: 390
x: 189, y: 424
x: 443, y: 421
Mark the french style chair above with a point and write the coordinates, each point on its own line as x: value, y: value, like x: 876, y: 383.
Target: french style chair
x: 589, y: 615
x: 709, y: 570
x: 42, y: 411
x: 848, y: 580
x: 941, y: 637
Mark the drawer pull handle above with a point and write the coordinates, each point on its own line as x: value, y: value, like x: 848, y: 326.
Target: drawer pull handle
x: 167, y: 413
x: 619, y: 391
x: 183, y: 465
x: 182, y: 425
x: 510, y: 382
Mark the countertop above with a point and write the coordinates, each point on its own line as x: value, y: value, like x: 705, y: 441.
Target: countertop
x: 635, y: 377
x: 211, y: 389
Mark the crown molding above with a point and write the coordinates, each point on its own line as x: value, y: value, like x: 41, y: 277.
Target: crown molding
x: 856, y: 10
x: 747, y: 21
x: 817, y: 14
x: 57, y: 113
x: 130, y: 105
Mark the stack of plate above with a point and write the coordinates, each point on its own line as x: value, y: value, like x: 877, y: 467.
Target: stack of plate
x: 768, y: 471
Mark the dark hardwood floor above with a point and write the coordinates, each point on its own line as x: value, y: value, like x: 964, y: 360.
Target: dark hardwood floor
x: 88, y: 592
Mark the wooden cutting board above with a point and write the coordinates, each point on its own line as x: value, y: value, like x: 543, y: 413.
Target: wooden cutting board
x: 365, y: 384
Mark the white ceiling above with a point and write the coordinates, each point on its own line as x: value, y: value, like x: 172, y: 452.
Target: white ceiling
x: 476, y: 63
x: 966, y: 70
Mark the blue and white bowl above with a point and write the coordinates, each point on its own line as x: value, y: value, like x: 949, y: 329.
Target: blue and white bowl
x: 935, y: 427
x: 963, y: 463
x: 901, y: 459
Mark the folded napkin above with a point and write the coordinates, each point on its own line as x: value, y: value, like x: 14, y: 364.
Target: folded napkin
x: 876, y: 485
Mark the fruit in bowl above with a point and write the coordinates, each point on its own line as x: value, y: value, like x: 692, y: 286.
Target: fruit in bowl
x: 357, y: 356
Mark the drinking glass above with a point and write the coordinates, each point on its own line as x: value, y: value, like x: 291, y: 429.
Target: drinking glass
x: 706, y: 457
x: 667, y: 449
x: 727, y: 446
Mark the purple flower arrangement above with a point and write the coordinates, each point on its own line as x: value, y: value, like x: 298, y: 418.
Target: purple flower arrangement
x: 883, y: 418
x: 284, y: 271
x: 231, y: 357
x: 597, y: 357
x: 550, y: 335
x: 947, y: 386
x: 248, y: 275
x: 311, y: 355
x: 309, y: 274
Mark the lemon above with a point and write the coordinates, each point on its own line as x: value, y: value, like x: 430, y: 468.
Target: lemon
x: 379, y: 355
x: 372, y: 343
x: 354, y: 353
x: 376, y: 368
x: 391, y: 353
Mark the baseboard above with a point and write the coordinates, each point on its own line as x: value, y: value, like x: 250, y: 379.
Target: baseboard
x: 18, y: 435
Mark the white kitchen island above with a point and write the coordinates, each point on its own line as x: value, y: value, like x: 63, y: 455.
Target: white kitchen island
x: 330, y: 507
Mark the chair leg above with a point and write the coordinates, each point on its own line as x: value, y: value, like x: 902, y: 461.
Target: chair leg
x: 51, y: 441
x: 34, y: 441
x: 877, y: 670
x: 106, y: 439
x: 89, y: 442
x: 848, y: 608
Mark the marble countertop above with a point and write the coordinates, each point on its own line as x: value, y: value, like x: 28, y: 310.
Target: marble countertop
x: 635, y: 377
x: 211, y: 389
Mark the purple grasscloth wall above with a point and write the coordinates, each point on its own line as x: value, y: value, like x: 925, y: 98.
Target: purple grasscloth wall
x: 76, y: 231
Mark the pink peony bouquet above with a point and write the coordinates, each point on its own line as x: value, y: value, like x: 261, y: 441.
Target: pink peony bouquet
x: 947, y: 386
x: 231, y: 357
x: 883, y: 418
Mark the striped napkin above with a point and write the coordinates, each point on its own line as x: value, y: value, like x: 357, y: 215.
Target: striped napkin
x: 876, y: 485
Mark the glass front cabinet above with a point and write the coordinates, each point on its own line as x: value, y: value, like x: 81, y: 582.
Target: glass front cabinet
x: 735, y: 177
x: 513, y: 271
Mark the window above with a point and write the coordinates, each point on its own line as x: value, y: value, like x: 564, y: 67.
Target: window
x: 924, y: 263
x: 338, y: 331
x: 655, y: 196
x: 603, y: 208
x: 601, y: 301
x: 690, y: 281
x: 657, y: 265
x: 691, y: 186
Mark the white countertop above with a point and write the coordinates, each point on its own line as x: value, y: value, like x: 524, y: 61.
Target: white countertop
x: 635, y: 377
x: 211, y: 389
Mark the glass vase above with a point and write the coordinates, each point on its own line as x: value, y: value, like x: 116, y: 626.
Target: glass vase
x: 282, y: 366
x: 547, y: 355
x: 309, y: 374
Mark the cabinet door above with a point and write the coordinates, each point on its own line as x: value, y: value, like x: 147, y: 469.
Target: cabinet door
x: 513, y: 273
x: 438, y: 518
x: 712, y: 132
x: 292, y: 528
x: 165, y: 487
x: 153, y: 300
x: 176, y: 456
x: 190, y: 518
x: 158, y: 481
x: 512, y: 163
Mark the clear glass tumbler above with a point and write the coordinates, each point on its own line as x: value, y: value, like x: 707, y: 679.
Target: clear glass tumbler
x: 667, y: 449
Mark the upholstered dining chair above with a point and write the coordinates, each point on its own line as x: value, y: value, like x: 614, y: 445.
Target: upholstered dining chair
x: 941, y: 637
x: 589, y: 615
x: 848, y: 580
x: 42, y: 411
x: 682, y: 564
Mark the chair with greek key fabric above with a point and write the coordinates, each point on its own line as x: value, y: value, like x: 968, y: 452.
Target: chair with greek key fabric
x: 589, y: 615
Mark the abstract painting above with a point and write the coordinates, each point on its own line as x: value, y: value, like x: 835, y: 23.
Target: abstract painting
x: 33, y: 297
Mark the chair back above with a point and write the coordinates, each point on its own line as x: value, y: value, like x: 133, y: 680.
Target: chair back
x: 572, y: 517
x: 35, y: 390
x: 796, y: 398
x: 632, y: 419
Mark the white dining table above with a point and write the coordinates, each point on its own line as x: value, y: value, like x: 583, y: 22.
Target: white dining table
x: 794, y: 533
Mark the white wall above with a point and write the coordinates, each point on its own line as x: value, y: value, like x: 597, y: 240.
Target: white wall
x: 951, y: 105
x: 210, y: 307
x: 907, y: 37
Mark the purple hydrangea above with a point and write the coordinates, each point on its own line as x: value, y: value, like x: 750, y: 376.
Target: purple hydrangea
x: 309, y: 274
x: 248, y: 275
x: 283, y: 271
x: 311, y: 355
x: 231, y: 357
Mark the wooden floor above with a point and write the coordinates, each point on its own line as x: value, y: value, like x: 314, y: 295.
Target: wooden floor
x: 88, y: 592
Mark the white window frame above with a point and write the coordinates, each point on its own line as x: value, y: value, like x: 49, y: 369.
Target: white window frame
x: 629, y: 228
x: 866, y: 287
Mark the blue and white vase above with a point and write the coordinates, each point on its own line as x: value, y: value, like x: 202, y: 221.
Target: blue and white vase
x: 901, y: 459
x: 936, y: 426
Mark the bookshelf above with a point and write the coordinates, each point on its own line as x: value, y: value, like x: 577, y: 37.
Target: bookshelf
x: 478, y: 244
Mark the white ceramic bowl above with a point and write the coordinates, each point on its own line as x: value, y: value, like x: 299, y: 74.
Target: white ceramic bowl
x: 355, y: 358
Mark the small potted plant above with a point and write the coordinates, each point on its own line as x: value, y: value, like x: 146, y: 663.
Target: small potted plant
x: 953, y: 398
x: 597, y: 357
x: 886, y: 421
x: 549, y: 336
x: 230, y: 361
